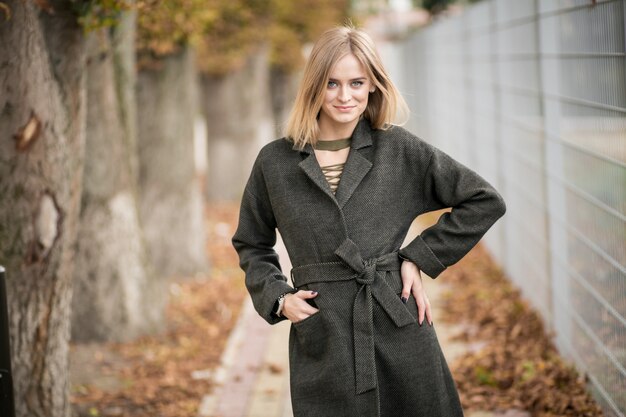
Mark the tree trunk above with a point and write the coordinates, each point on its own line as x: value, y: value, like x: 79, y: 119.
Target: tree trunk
x: 115, y: 298
x: 170, y: 196
x: 42, y: 120
x: 283, y: 88
x: 237, y: 109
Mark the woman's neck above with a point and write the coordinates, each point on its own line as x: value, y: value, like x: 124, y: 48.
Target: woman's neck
x: 335, y: 131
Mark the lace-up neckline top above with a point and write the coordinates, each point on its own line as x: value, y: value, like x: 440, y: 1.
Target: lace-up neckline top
x: 333, y: 172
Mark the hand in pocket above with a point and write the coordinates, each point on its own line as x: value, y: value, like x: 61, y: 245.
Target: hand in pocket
x: 300, y: 305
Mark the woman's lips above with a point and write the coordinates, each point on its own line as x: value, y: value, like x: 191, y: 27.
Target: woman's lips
x: 344, y: 108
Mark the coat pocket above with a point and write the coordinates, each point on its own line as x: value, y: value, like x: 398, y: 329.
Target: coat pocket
x: 311, y: 335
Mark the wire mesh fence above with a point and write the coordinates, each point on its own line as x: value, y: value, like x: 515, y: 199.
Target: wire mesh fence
x: 532, y: 95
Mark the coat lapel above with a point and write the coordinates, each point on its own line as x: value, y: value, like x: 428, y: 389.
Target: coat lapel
x: 357, y: 165
x: 311, y: 168
x: 355, y: 169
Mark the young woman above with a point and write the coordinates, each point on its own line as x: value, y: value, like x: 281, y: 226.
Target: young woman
x: 342, y: 187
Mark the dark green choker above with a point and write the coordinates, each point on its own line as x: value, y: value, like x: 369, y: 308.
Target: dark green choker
x: 332, y: 145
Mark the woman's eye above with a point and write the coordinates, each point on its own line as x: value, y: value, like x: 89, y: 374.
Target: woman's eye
x: 357, y: 83
x: 332, y: 84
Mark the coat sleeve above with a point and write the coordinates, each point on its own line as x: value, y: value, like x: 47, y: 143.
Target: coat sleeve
x: 476, y: 206
x: 254, y: 242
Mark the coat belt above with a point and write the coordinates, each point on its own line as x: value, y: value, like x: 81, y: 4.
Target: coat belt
x: 367, y: 273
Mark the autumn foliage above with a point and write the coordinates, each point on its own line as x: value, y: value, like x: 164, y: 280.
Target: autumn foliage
x: 225, y: 32
x: 517, y: 365
x: 296, y: 23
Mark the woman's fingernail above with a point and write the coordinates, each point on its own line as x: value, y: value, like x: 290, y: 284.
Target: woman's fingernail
x: 404, y: 299
x: 313, y: 292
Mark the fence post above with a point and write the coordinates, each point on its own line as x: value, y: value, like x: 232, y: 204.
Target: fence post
x: 7, y: 405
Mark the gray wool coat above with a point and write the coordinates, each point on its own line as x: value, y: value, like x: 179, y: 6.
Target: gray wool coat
x: 363, y: 354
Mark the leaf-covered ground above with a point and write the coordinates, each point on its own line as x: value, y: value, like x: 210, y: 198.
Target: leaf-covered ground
x: 166, y: 375
x: 517, y: 367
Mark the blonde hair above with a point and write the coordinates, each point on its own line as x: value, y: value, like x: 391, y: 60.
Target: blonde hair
x: 383, y: 104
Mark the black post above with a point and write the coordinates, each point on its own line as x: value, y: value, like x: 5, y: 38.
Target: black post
x: 7, y: 404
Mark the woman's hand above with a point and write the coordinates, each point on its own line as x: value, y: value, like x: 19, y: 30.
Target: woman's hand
x: 296, y: 308
x: 412, y: 284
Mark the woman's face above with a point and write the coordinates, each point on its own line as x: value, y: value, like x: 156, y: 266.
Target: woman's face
x: 347, y: 91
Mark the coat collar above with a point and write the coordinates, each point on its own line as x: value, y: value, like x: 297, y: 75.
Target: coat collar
x: 355, y: 169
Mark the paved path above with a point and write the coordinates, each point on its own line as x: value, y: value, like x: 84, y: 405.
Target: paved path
x: 253, y: 380
x: 254, y: 376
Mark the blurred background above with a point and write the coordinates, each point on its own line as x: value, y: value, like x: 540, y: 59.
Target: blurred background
x: 128, y: 130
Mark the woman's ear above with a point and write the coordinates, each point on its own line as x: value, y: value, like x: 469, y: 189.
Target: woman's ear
x: 372, y: 89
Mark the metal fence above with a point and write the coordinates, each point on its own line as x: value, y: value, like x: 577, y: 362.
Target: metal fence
x: 532, y: 95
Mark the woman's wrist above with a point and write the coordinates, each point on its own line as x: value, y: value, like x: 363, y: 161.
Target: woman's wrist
x: 280, y: 302
x: 407, y: 261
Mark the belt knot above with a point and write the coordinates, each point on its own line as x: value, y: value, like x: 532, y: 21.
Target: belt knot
x: 368, y: 273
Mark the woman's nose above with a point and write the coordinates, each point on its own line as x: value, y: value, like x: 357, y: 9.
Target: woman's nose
x: 344, y: 94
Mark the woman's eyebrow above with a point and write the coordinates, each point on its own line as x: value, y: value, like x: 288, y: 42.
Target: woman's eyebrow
x: 353, y: 79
